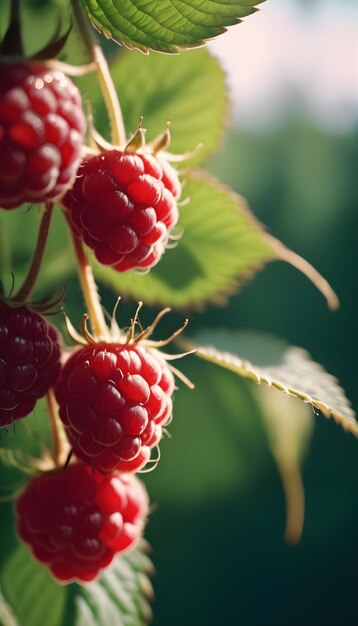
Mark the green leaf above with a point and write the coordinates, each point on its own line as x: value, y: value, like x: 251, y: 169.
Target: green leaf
x: 271, y: 361
x: 289, y: 425
x: 187, y: 90
x: 221, y: 247
x: 30, y: 596
x: 33, y: 596
x: 168, y: 25
x: 119, y: 596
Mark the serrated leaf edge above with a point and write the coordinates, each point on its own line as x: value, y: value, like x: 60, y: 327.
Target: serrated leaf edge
x: 176, y: 49
x: 247, y: 370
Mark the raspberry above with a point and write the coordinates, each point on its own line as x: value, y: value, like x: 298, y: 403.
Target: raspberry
x: 29, y: 360
x: 41, y: 132
x: 123, y: 205
x: 76, y: 520
x: 113, y: 401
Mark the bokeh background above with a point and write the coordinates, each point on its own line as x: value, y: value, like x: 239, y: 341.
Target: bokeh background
x: 292, y: 150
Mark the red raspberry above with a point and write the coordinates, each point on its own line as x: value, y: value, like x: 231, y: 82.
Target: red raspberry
x: 29, y: 360
x: 123, y: 206
x: 41, y: 132
x: 76, y: 520
x: 113, y: 402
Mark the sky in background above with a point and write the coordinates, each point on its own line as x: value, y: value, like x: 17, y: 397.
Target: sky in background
x: 294, y: 55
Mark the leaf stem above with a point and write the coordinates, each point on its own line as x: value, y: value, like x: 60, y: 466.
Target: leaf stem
x: 307, y: 269
x: 29, y: 283
x: 295, y: 500
x: 103, y: 73
x: 89, y: 289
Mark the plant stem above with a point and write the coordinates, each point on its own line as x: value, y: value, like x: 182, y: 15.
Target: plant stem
x: 59, y: 445
x: 295, y: 501
x: 103, y: 73
x: 29, y: 283
x: 5, y: 253
x: 89, y: 289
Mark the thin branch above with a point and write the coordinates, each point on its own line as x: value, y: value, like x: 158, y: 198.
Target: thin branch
x: 29, y: 283
x: 103, y: 73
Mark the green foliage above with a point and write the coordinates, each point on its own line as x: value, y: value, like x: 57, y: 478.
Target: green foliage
x: 168, y: 25
x: 270, y: 361
x: 188, y: 90
x: 217, y: 443
x: 119, y: 596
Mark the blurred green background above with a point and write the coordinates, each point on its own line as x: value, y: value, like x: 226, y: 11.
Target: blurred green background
x: 219, y: 552
x: 221, y: 559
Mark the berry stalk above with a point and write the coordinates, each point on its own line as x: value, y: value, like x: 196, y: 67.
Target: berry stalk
x: 89, y: 289
x: 104, y: 76
x: 30, y: 281
x: 5, y: 253
x: 60, y: 447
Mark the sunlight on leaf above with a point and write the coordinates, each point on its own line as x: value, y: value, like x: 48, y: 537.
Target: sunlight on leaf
x: 189, y: 91
x: 221, y: 247
x: 268, y: 360
x: 168, y: 25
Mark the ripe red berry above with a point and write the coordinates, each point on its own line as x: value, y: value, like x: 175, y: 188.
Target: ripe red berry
x: 29, y: 360
x: 41, y: 133
x: 113, y: 401
x: 123, y: 205
x: 75, y: 520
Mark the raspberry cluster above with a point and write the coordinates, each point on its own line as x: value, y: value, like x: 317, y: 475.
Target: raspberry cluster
x: 123, y: 205
x: 41, y: 132
x: 113, y: 401
x: 76, y: 520
x: 29, y: 360
x: 113, y: 398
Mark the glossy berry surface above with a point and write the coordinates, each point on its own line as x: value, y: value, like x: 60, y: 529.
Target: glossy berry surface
x: 29, y: 360
x: 113, y: 401
x: 123, y: 205
x: 75, y: 520
x: 41, y: 133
